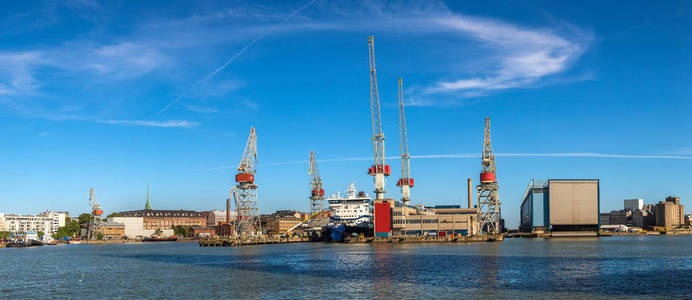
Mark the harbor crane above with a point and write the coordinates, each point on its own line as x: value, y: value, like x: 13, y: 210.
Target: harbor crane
x: 488, y: 198
x: 96, y: 211
x: 379, y: 169
x: 405, y: 182
x: 316, y: 192
x: 247, y: 222
x: 96, y: 224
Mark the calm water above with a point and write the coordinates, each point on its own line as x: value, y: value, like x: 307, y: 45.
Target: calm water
x: 612, y: 267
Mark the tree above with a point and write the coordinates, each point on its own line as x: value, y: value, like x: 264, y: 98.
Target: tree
x: 115, y: 214
x: 84, y: 219
x: 158, y: 232
x: 70, y: 229
x: 181, y: 231
x: 4, y: 235
x: 40, y: 234
x: 99, y: 236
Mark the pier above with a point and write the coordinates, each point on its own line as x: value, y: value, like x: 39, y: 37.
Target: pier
x: 392, y: 240
x: 250, y: 242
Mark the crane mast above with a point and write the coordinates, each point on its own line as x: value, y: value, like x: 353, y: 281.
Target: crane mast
x: 488, y: 198
x: 405, y: 182
x: 316, y: 192
x: 379, y: 170
x: 96, y: 224
x: 244, y: 193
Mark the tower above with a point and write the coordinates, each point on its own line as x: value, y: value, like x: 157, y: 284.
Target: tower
x: 405, y: 182
x: 379, y: 169
x: 488, y: 199
x: 147, y: 206
x: 247, y: 222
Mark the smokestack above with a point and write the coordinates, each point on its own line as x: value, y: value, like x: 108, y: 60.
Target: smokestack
x: 228, y: 211
x: 470, y: 205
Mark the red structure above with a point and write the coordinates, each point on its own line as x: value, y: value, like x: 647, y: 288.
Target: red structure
x: 383, y: 219
x: 487, y: 177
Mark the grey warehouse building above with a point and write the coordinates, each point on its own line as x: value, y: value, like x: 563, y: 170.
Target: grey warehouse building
x: 561, y: 207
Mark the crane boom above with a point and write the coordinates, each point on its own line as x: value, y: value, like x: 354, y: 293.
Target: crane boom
x: 405, y: 182
x: 380, y: 169
x: 316, y: 192
x: 96, y: 210
x: 247, y: 163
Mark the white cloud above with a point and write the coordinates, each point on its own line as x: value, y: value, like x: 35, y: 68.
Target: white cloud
x: 522, y: 55
x: 201, y: 109
x: 478, y: 155
x: 170, y: 123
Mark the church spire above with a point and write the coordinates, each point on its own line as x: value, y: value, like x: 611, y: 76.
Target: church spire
x: 147, y: 206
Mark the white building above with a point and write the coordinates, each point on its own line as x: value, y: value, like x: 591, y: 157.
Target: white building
x: 25, y: 223
x: 58, y: 219
x: 3, y: 226
x: 134, y: 227
x: 634, y: 204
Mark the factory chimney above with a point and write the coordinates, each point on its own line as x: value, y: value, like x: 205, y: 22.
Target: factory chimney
x: 228, y: 211
x: 470, y: 204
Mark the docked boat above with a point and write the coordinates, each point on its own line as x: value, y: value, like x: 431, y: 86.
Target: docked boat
x: 350, y: 214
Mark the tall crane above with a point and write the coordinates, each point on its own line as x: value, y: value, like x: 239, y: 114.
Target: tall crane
x: 405, y: 182
x: 379, y: 170
x: 317, y: 193
x: 96, y: 224
x: 488, y: 198
x: 247, y: 222
x: 96, y: 211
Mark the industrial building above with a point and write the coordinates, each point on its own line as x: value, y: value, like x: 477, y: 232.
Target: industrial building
x: 113, y: 231
x: 394, y: 219
x: 670, y: 213
x: 633, y: 204
x: 134, y: 227
x: 561, y: 207
x: 218, y: 217
x: 166, y: 219
x: 199, y: 232
x: 281, y: 221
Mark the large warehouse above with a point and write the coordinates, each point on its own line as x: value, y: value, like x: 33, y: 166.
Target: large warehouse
x: 561, y: 207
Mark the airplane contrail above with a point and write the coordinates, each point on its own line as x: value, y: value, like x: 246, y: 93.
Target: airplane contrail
x: 478, y: 155
x: 230, y: 60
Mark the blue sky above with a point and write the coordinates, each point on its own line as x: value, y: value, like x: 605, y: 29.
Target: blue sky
x: 116, y: 95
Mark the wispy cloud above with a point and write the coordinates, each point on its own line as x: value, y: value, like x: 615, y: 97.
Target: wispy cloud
x: 523, y: 55
x: 477, y: 155
x: 233, y: 58
x: 170, y: 123
x: 201, y: 109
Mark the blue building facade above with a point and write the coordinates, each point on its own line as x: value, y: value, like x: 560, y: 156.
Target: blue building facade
x: 535, y: 207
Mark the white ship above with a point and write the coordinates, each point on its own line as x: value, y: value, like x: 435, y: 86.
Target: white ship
x: 353, y: 211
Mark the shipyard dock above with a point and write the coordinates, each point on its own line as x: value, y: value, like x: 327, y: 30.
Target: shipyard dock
x: 392, y: 240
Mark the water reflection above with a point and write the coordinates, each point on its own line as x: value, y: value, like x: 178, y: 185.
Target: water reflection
x: 513, y: 268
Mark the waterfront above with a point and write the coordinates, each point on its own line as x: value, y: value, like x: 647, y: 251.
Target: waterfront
x: 607, y: 267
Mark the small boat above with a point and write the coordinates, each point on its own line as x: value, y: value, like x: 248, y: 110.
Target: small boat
x: 74, y: 241
x: 16, y: 245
